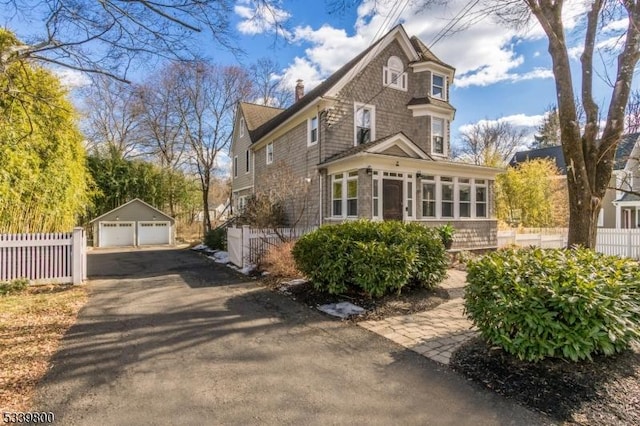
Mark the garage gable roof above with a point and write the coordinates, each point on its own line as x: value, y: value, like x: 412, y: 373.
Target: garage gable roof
x: 138, y: 201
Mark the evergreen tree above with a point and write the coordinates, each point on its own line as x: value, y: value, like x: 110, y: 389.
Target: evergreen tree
x: 549, y: 130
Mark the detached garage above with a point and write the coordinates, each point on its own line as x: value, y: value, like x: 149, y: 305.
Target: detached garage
x: 135, y: 223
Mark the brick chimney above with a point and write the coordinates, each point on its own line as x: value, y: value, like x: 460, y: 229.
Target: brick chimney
x: 299, y: 90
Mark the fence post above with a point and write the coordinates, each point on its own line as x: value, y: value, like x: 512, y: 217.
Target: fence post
x: 76, y: 256
x: 246, y: 248
x: 84, y: 255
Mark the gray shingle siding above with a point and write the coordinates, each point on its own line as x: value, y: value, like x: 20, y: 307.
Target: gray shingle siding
x: 239, y: 148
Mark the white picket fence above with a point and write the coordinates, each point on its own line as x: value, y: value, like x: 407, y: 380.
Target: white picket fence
x: 44, y: 258
x: 616, y: 242
x: 245, y: 244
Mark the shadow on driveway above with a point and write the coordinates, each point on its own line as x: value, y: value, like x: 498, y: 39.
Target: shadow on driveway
x: 188, y: 342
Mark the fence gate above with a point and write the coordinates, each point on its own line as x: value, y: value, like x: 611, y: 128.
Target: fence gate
x: 235, y: 246
x: 44, y: 258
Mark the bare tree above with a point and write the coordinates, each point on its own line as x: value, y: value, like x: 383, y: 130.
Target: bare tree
x: 269, y: 89
x: 112, y: 117
x: 106, y: 36
x: 162, y: 125
x: 588, y: 150
x: 548, y: 133
x: 490, y: 143
x: 207, y: 98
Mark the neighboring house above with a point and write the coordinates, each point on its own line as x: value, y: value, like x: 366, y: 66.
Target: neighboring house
x: 220, y: 213
x: 620, y: 209
x: 135, y: 223
x: 372, y: 141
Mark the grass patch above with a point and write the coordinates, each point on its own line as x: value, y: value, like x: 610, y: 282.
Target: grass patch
x: 31, y: 325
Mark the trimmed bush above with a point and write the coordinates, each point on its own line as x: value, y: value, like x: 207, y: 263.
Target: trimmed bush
x: 12, y: 287
x: 374, y: 257
x: 568, y: 304
x: 216, y: 239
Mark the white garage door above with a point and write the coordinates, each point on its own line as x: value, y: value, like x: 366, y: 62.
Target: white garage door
x: 116, y: 234
x: 154, y: 233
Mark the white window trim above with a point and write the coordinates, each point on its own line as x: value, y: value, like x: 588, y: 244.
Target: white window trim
x: 456, y: 199
x: 401, y: 83
x: 242, y: 126
x: 247, y: 159
x: 343, y: 196
x: 357, y: 106
x: 268, y: 148
x: 433, y: 182
x: 444, y: 136
x: 444, y: 86
x: 474, y: 186
x: 235, y: 166
x: 459, y: 202
x: 309, y: 129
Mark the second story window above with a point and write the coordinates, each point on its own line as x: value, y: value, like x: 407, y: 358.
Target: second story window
x: 437, y: 135
x: 270, y: 153
x: 437, y: 86
x: 235, y: 166
x: 241, y: 126
x: 247, y: 159
x: 312, y: 131
x: 364, y: 124
x: 393, y: 74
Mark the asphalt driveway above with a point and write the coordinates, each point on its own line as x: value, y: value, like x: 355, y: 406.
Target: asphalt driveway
x: 169, y: 337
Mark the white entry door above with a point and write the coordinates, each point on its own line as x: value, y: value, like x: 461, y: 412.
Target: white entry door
x: 117, y: 234
x: 154, y: 233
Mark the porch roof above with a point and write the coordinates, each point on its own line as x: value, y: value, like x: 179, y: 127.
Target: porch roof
x: 370, y: 147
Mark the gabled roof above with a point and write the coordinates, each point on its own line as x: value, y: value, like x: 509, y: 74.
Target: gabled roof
x: 629, y: 197
x: 378, y: 146
x: 316, y: 92
x: 623, y: 152
x: 256, y: 115
x: 624, y: 149
x: 426, y: 54
x: 135, y: 200
x: 551, y: 152
x: 349, y: 70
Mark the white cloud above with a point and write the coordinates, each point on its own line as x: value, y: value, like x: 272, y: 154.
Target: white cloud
x: 616, y: 26
x: 72, y: 79
x: 260, y: 18
x: 520, y: 121
x: 483, y: 53
x: 301, y: 69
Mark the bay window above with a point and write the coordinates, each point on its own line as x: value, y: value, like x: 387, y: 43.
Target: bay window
x: 446, y: 189
x: 437, y: 135
x: 464, y: 197
x: 429, y: 196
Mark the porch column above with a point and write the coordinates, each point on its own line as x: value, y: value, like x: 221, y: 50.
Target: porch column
x: 365, y: 194
x: 618, y: 214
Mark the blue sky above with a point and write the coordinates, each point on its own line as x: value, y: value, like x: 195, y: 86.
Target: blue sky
x: 502, y: 74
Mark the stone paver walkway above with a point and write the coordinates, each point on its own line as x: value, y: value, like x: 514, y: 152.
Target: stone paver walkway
x: 436, y: 333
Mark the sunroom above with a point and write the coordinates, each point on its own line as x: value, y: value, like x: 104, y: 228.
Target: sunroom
x: 393, y: 179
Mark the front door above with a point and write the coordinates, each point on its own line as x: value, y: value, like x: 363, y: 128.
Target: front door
x: 391, y: 199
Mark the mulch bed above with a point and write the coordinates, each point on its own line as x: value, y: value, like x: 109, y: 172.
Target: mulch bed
x: 411, y: 300
x: 603, y: 392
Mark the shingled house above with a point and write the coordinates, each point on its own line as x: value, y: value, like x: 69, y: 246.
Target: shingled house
x: 372, y: 141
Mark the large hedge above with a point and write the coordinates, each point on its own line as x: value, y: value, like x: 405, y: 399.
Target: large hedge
x: 374, y: 257
x: 567, y: 304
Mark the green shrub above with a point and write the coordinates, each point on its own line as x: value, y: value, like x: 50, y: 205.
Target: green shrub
x: 11, y: 287
x: 216, y: 239
x: 567, y: 304
x: 374, y: 257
